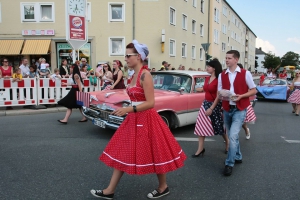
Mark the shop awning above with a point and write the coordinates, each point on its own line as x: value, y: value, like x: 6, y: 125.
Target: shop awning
x: 36, y: 47
x: 10, y: 47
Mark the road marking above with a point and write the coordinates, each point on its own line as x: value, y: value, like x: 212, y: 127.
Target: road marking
x: 192, y: 139
x: 291, y: 141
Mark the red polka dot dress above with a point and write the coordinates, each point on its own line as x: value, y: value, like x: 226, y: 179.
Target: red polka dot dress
x: 143, y: 144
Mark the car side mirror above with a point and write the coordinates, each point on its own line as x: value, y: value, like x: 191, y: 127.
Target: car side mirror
x: 181, y: 90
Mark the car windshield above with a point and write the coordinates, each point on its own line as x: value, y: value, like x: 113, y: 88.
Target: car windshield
x: 172, y: 82
x: 274, y: 82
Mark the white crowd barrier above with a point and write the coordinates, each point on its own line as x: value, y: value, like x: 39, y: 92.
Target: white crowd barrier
x: 40, y: 91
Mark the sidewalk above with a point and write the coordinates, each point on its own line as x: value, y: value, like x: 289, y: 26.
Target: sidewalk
x: 19, y: 110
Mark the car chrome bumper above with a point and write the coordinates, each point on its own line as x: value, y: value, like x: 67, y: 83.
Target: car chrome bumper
x: 113, y: 122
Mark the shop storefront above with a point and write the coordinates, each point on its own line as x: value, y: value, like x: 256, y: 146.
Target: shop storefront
x: 64, y: 51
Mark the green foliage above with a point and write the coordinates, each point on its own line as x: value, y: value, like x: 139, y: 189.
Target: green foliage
x: 208, y: 57
x: 271, y: 61
x: 290, y: 59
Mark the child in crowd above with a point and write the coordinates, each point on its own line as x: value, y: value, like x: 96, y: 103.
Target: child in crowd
x: 56, y: 75
x: 32, y: 72
x: 17, y: 75
x: 92, y: 77
x: 44, y: 69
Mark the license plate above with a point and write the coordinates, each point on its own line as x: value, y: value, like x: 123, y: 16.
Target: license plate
x: 99, y: 123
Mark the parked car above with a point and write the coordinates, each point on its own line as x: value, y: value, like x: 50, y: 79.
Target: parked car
x: 274, y: 89
x: 176, y: 100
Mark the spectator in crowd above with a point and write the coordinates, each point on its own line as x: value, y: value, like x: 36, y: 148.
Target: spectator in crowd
x: 173, y: 68
x: 153, y: 69
x: 84, y: 63
x: 145, y: 62
x: 92, y: 76
x: 199, y: 69
x: 17, y: 75
x: 5, y: 70
x: 182, y: 67
x: 169, y: 67
x: 164, y: 64
x: 77, y: 62
x: 56, y: 75
x: 44, y: 69
x: 117, y: 75
x: 294, y: 98
x: 24, y: 68
x: 64, y: 70
x: 99, y: 70
x: 32, y: 71
x: 83, y: 72
x: 107, y: 76
x: 283, y: 75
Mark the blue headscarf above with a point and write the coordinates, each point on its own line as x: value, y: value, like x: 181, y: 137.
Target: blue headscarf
x: 142, y: 49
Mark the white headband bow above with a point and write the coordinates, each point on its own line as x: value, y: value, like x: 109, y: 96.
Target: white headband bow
x: 142, y: 49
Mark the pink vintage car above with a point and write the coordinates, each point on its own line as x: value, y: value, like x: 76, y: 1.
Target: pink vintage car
x: 176, y: 100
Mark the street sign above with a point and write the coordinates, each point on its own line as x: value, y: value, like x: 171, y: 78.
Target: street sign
x: 76, y: 26
x: 205, y: 46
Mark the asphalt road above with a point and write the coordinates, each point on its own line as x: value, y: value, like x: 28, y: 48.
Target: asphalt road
x: 42, y: 159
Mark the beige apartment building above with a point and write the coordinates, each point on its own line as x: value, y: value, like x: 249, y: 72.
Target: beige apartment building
x: 174, y: 30
x: 229, y: 32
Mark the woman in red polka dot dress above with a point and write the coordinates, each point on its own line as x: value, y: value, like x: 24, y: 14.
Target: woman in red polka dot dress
x: 143, y: 144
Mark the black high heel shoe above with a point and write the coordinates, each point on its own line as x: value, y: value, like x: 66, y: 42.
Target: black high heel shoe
x: 201, y: 153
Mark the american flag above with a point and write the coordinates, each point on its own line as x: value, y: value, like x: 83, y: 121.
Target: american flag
x: 83, y: 99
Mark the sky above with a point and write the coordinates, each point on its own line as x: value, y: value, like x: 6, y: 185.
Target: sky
x: 275, y: 23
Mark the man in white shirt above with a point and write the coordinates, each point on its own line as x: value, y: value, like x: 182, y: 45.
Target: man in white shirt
x: 240, y: 84
x: 24, y: 68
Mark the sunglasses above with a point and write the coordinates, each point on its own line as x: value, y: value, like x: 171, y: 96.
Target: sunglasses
x: 297, y: 73
x: 131, y: 54
x: 5, y: 61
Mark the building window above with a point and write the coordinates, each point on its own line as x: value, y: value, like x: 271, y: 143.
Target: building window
x: 172, y: 47
x: 195, y: 3
x: 89, y: 11
x: 116, y: 12
x: 201, y: 53
x: 183, y: 50
x: 224, y: 29
x: 201, y: 30
x: 172, y: 16
x: 216, y: 36
x: 202, y: 6
x: 117, y: 46
x: 193, y: 52
x: 194, y: 26
x: 216, y: 15
x: 223, y: 46
x: 184, y: 22
x: 225, y: 11
x: 37, y: 12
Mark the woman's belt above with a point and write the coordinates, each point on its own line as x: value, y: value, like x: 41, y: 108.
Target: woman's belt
x: 135, y: 103
x: 74, y: 86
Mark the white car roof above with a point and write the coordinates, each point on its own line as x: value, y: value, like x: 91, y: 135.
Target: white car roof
x: 185, y: 72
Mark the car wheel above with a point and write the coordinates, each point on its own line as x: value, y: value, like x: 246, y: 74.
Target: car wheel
x: 166, y: 118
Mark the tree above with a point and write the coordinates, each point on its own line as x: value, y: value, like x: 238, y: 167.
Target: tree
x: 290, y: 59
x: 271, y: 61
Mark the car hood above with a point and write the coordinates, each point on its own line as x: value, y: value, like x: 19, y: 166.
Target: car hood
x: 121, y: 96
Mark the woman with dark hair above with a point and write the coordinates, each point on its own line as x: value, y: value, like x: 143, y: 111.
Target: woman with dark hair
x: 69, y: 101
x: 107, y: 76
x: 6, y: 71
x: 143, y: 144
x: 210, y: 120
x: 64, y: 70
x: 117, y: 75
x: 250, y: 115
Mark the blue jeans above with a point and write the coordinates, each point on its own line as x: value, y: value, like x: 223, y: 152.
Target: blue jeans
x: 233, y: 121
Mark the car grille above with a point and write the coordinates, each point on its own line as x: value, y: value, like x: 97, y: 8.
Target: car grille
x: 99, y: 113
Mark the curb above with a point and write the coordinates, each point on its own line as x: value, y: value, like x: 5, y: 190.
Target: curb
x: 31, y: 112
